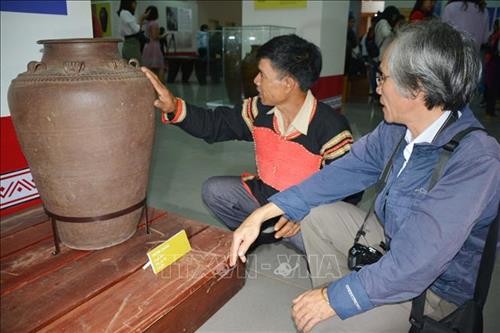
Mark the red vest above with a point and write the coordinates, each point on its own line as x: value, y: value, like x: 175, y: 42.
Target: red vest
x: 282, y: 163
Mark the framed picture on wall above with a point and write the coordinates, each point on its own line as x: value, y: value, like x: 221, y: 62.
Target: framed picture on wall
x: 103, y: 13
x: 172, y: 19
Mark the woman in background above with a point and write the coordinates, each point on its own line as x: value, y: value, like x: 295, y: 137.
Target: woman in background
x: 130, y: 29
x: 152, y: 56
x: 470, y: 17
x: 386, y: 21
x: 422, y: 10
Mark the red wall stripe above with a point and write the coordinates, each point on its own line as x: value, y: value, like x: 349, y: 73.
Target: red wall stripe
x: 11, y: 156
x: 25, y: 205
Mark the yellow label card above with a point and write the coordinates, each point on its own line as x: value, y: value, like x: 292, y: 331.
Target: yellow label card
x: 169, y: 251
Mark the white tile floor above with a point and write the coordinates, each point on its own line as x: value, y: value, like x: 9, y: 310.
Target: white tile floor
x: 276, y: 273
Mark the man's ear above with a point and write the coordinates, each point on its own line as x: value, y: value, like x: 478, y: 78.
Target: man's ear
x: 418, y: 95
x: 290, y: 83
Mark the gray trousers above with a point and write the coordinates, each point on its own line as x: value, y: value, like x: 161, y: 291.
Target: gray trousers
x: 328, y: 232
x: 228, y: 200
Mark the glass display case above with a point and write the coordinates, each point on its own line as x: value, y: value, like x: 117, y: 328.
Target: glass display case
x: 239, y: 64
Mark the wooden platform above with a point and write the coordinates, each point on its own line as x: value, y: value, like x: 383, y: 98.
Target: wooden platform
x: 107, y: 290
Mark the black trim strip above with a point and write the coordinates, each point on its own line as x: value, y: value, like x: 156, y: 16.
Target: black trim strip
x: 96, y: 218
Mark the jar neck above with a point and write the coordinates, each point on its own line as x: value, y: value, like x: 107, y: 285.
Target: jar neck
x: 85, y: 50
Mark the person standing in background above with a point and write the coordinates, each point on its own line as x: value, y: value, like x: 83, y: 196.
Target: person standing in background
x: 202, y: 41
x: 130, y: 29
x: 400, y: 22
x: 369, y: 51
x: 202, y: 47
x: 492, y: 71
x: 152, y: 56
x: 422, y: 10
x: 351, y: 44
x: 470, y: 17
x: 215, y: 54
x: 384, y: 27
x: 163, y: 41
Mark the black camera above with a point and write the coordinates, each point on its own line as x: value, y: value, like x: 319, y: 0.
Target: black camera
x: 360, y: 255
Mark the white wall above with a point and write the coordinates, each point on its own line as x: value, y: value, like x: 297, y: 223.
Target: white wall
x: 400, y: 3
x: 21, y: 31
x: 306, y: 21
x: 323, y: 23
x: 221, y: 10
x: 333, y: 36
x: 372, y: 6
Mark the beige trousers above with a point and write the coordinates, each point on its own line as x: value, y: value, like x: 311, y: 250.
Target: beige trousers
x: 328, y: 233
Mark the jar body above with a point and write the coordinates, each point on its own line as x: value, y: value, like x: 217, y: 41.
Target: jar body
x: 85, y: 120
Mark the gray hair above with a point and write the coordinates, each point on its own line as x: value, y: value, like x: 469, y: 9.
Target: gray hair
x: 432, y: 57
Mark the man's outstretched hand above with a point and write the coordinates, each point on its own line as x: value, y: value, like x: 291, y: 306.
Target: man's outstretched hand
x: 166, y: 101
x: 249, y: 230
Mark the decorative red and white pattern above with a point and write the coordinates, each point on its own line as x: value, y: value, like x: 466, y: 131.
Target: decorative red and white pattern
x: 16, y: 188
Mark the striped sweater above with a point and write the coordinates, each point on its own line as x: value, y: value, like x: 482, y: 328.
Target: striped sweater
x: 328, y: 136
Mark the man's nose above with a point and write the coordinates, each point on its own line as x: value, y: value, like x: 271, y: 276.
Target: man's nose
x: 256, y: 80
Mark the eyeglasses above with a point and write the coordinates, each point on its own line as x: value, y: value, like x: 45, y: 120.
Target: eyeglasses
x: 380, y: 78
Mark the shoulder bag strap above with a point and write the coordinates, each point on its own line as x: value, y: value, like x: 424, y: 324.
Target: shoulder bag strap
x: 487, y: 262
x: 488, y: 256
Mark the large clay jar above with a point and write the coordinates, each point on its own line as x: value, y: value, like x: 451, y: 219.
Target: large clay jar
x: 85, y: 120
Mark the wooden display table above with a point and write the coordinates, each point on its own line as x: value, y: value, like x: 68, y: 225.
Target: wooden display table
x: 107, y: 290
x: 184, y: 63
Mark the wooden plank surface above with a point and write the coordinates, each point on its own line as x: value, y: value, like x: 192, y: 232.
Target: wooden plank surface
x: 34, y: 263
x: 22, y: 220
x: 36, y: 304
x: 25, y: 238
x: 30, y: 255
x: 200, y: 282
x: 194, y: 310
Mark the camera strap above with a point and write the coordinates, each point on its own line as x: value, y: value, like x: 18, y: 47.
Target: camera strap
x: 379, y: 186
x: 382, y: 181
